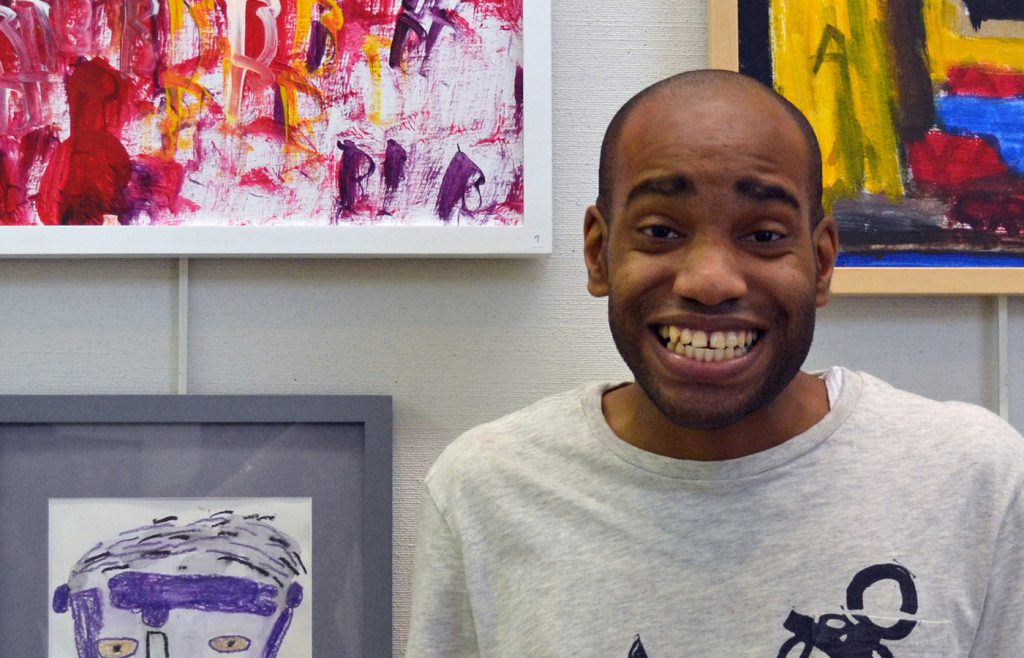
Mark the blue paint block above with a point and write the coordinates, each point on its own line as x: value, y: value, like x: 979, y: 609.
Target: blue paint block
x: 1000, y: 119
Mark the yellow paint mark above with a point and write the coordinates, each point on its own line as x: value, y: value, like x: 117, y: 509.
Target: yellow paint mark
x: 948, y: 46
x: 293, y: 82
x: 179, y: 110
x: 832, y: 61
x: 333, y: 19
x: 201, y: 12
x: 176, y: 14
x: 303, y: 23
x: 290, y: 105
x: 372, y: 47
x: 232, y: 93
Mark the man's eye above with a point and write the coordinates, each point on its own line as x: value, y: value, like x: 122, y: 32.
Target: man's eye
x: 121, y: 647
x: 229, y: 643
x: 659, y: 231
x: 764, y: 236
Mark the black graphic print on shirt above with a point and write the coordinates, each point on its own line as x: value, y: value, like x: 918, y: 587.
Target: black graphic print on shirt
x: 853, y: 635
x: 850, y: 635
x: 637, y: 650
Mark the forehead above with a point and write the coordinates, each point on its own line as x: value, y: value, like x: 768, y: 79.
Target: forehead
x: 721, y: 134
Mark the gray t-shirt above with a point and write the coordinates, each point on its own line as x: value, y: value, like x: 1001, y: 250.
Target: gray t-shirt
x: 893, y: 527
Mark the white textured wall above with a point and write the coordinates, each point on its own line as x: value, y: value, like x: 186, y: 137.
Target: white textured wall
x: 455, y: 342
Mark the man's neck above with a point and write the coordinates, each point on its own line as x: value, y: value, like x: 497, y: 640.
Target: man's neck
x: 635, y: 419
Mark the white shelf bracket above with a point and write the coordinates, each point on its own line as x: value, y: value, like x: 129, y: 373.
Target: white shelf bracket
x: 182, y: 326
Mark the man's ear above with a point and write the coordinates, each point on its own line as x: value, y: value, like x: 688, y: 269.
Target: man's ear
x: 826, y: 245
x: 595, y: 251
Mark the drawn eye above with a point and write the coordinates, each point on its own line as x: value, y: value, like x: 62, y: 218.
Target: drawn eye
x: 229, y: 643
x: 120, y: 647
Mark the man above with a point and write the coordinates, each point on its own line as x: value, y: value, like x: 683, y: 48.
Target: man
x: 726, y: 503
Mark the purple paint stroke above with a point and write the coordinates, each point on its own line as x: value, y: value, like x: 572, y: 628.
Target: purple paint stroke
x: 356, y: 167
x: 294, y: 595
x: 277, y: 634
x: 405, y: 23
x: 392, y: 173
x: 461, y: 176
x: 518, y: 87
x: 317, y: 45
x: 440, y: 20
x: 87, y: 612
x: 278, y: 106
x: 61, y: 599
x: 413, y: 19
x: 156, y: 594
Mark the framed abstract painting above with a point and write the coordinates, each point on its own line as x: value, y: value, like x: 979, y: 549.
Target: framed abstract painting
x: 275, y: 127
x: 919, y: 108
x: 158, y: 526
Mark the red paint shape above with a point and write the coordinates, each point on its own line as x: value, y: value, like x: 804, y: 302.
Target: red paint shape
x: 509, y: 11
x: 459, y: 22
x: 262, y: 179
x: 514, y: 200
x: 991, y: 206
x: 986, y: 82
x: 12, y: 187
x: 87, y: 176
x: 266, y: 127
x: 949, y: 161
x: 255, y: 35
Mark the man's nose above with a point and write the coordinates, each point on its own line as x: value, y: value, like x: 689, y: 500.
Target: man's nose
x: 156, y: 645
x: 710, y: 273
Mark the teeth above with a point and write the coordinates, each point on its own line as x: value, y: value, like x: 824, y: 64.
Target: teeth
x: 707, y: 347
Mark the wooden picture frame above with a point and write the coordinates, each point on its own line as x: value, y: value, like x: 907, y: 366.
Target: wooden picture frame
x: 723, y: 24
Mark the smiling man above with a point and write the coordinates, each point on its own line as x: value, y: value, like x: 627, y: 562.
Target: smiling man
x: 725, y: 503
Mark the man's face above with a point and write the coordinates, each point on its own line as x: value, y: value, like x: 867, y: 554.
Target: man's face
x: 712, y: 270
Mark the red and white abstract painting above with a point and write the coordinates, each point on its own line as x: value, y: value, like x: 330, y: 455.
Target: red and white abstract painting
x: 261, y: 112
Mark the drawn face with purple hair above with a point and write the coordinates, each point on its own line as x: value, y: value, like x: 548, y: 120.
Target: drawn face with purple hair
x: 220, y: 585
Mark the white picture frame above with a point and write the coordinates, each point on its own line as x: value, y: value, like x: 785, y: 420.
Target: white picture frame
x: 531, y: 237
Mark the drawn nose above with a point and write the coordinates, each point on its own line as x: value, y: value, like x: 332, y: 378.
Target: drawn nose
x: 156, y: 645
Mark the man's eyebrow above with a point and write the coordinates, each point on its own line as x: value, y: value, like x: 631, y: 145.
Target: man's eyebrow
x: 761, y: 191
x: 675, y: 185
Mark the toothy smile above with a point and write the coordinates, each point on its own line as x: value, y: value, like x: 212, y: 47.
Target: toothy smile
x: 707, y: 346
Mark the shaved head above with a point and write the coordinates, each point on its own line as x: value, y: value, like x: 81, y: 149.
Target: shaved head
x: 695, y: 85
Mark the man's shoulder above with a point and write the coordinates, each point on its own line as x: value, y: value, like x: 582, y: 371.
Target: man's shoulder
x: 521, y: 439
x: 955, y: 427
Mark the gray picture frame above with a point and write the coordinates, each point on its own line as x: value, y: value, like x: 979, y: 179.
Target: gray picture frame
x: 334, y: 449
